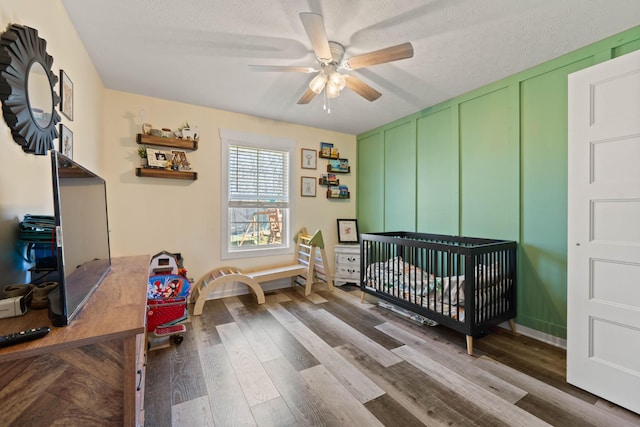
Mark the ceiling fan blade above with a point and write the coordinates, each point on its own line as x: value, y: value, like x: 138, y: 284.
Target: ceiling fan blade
x: 282, y: 68
x: 314, y: 26
x: 361, y: 88
x: 307, y: 97
x: 389, y: 54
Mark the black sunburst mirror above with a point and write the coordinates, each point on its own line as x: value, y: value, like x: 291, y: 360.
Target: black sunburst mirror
x: 27, y: 89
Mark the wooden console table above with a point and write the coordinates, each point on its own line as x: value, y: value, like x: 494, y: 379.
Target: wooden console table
x: 89, y: 372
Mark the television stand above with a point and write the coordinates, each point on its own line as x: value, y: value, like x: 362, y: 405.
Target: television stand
x: 96, y: 362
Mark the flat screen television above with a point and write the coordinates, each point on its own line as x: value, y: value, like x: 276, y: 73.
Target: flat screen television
x: 82, y: 236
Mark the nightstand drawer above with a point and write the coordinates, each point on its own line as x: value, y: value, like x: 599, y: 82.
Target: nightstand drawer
x: 348, y: 270
x: 347, y: 264
x: 348, y: 259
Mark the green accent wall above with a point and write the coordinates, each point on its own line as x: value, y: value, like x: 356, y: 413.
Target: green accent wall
x: 400, y: 177
x: 489, y: 163
x: 437, y: 173
x: 488, y: 168
x: 542, y: 253
x: 370, y: 182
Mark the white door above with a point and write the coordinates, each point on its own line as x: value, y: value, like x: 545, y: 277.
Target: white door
x: 603, y: 289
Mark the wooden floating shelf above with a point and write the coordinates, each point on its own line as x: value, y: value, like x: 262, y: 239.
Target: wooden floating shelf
x: 347, y: 170
x: 344, y: 196
x: 186, y: 144
x: 164, y: 173
x: 325, y: 182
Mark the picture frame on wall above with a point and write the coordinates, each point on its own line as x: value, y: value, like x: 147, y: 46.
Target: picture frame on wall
x: 66, y: 95
x: 348, y: 231
x: 309, y: 159
x: 66, y: 141
x: 308, y: 186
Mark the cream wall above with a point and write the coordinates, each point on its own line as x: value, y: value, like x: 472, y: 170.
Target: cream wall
x: 148, y: 215
x: 25, y: 179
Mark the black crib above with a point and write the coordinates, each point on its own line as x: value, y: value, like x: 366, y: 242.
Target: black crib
x: 467, y: 284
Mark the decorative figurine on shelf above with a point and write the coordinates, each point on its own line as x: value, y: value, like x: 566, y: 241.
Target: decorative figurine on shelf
x: 175, y: 163
x: 188, y: 132
x: 146, y: 127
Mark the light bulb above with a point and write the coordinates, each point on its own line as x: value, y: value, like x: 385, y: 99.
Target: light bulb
x: 338, y: 80
x: 331, y: 90
x: 317, y: 83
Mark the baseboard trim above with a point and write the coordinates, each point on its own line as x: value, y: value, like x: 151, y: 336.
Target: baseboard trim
x: 540, y: 336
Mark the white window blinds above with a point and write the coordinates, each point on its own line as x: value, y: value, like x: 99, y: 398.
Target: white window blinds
x: 258, y: 177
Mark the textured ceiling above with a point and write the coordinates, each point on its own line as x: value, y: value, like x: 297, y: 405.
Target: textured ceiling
x: 198, y: 51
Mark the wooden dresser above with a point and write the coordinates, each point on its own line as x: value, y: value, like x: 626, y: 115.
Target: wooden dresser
x: 347, y: 264
x: 90, y: 372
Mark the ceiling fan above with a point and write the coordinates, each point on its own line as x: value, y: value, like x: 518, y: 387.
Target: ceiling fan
x: 329, y: 77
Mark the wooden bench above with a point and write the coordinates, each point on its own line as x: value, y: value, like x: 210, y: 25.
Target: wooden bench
x: 310, y: 263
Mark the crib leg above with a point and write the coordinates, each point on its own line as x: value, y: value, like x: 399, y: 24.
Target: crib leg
x: 469, y: 345
x: 512, y: 323
x: 361, y: 296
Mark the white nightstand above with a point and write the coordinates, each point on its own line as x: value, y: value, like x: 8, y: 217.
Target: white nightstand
x: 347, y: 264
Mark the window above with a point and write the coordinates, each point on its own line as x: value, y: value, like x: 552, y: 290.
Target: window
x: 256, y: 205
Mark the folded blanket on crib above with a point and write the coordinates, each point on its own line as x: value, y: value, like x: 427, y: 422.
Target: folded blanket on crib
x: 406, y: 280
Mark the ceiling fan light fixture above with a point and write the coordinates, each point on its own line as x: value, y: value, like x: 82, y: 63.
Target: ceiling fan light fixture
x: 318, y: 82
x: 330, y: 56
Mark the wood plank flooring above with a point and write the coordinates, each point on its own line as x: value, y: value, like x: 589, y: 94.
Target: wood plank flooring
x: 330, y: 360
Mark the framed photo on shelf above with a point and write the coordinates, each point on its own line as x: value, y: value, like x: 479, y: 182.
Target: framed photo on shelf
x: 66, y: 141
x: 158, y: 158
x: 309, y: 159
x: 66, y: 95
x: 308, y: 186
x: 348, y: 231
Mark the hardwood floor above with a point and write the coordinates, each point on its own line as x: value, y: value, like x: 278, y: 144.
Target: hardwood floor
x: 330, y: 360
